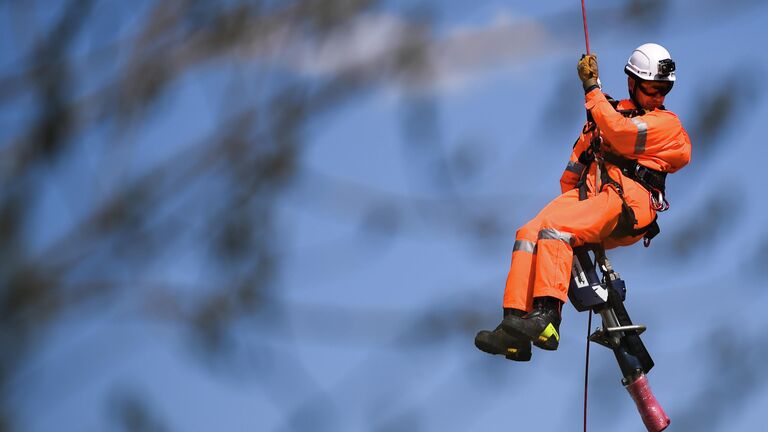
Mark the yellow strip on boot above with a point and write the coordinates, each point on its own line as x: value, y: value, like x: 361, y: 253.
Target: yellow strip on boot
x: 548, y: 332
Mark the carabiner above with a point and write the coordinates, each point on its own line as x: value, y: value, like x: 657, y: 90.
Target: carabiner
x: 658, y: 201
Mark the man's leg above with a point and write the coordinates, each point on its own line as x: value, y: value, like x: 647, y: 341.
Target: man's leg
x: 518, y: 298
x: 564, y: 223
x: 518, y: 291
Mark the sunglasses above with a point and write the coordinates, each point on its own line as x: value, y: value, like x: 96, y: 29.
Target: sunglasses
x: 656, y: 89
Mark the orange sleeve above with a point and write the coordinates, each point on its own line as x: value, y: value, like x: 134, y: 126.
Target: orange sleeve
x: 574, y: 168
x: 656, y: 139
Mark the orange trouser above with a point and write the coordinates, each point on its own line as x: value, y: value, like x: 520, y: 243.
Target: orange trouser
x: 543, y: 251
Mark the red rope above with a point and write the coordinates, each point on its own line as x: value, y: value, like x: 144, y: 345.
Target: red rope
x: 584, y: 18
x: 586, y: 370
x: 589, y: 322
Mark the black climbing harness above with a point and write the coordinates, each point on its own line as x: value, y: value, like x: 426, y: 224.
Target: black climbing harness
x: 652, y: 180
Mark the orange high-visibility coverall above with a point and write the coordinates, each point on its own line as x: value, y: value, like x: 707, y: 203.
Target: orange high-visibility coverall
x: 542, y: 255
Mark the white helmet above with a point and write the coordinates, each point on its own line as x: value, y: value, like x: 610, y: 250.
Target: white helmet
x: 651, y: 62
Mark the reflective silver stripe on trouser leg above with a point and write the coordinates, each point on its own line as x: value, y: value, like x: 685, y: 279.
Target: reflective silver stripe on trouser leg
x: 642, y: 133
x: 525, y: 246
x: 553, y: 234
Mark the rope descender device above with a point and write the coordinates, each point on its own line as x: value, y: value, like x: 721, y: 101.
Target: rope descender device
x: 618, y: 333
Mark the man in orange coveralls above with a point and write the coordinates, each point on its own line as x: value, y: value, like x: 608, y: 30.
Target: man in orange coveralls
x: 612, y: 188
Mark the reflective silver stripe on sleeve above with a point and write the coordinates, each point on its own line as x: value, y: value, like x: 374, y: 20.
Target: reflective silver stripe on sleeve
x: 553, y: 234
x: 574, y: 167
x: 525, y: 246
x: 642, y: 132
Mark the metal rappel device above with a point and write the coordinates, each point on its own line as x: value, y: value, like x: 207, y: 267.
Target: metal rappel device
x: 618, y: 333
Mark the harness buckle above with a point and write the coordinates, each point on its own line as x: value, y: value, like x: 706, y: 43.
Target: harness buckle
x: 638, y: 169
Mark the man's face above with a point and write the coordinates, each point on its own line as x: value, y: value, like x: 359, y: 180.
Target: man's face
x: 650, y: 94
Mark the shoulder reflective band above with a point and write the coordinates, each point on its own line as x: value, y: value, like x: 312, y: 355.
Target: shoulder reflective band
x: 553, y: 234
x: 642, y: 131
x: 525, y: 246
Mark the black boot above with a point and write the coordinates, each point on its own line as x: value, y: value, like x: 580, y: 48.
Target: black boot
x: 541, y: 325
x: 499, y: 342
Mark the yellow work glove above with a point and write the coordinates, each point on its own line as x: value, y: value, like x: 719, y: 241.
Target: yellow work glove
x: 587, y: 68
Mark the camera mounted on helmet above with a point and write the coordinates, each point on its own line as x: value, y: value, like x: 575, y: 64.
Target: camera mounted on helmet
x: 666, y: 67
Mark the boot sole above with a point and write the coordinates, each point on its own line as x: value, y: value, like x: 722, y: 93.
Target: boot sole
x: 514, y: 354
x: 517, y: 355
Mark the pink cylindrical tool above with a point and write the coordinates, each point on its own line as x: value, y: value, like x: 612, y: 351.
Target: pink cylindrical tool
x: 652, y: 413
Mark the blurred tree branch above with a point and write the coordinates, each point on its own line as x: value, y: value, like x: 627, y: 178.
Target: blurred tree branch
x: 221, y: 190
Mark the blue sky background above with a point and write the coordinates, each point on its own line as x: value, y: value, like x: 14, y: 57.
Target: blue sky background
x: 395, y: 236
